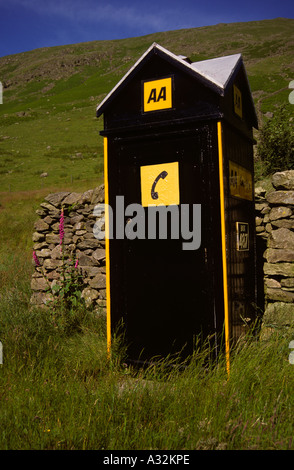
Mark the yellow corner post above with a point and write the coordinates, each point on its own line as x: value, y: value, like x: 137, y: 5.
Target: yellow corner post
x: 223, y: 237
x: 106, y: 200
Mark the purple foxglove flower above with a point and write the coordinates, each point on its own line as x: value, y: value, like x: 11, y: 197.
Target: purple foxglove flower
x: 35, y: 257
x: 61, y: 227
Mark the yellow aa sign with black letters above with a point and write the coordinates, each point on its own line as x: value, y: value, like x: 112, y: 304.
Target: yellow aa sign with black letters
x: 160, y: 184
x: 158, y: 94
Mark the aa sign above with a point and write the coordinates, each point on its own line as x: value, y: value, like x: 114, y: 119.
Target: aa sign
x: 157, y: 94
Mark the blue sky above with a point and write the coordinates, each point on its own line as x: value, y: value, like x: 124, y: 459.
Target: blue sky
x: 30, y: 24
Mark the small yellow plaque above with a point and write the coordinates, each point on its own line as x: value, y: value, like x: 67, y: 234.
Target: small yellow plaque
x: 158, y: 94
x: 241, y: 183
x: 238, y: 101
x: 160, y: 184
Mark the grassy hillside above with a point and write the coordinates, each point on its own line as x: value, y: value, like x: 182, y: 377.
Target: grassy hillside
x: 58, y: 390
x: 48, y: 123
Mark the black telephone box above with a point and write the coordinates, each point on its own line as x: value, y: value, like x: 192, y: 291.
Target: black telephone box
x: 180, y: 246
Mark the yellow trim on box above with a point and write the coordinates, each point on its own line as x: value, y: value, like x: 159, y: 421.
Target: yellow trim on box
x: 223, y: 236
x: 107, y: 260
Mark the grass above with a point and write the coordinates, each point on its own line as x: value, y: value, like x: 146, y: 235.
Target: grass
x: 58, y: 390
x: 50, y: 95
x: 65, y: 145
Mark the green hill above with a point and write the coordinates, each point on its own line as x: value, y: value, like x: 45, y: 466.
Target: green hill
x: 47, y: 119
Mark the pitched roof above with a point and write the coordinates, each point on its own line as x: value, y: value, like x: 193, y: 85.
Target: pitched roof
x: 218, y: 70
x: 215, y: 73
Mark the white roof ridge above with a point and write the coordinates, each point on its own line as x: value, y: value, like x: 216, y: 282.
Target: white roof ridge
x: 204, y: 69
x: 219, y: 75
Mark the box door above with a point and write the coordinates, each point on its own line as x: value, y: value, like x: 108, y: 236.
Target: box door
x: 164, y: 294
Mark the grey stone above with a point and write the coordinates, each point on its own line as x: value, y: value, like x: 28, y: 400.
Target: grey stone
x: 41, y: 226
x: 56, y: 199
x: 41, y: 212
x: 51, y: 238
x: 265, y: 210
x: 278, y: 255
x: 279, y: 269
x: 280, y: 212
x: 85, y: 260
x: 44, y: 253
x: 39, y: 284
x: 260, y: 228
x: 283, y: 180
x: 41, y: 298
x: 102, y: 293
x: 280, y: 295
x: 71, y: 199
x: 88, y: 252
x: 56, y: 252
x: 272, y: 283
x: 266, y: 219
x: 259, y: 192
x: 279, y: 314
x: 86, y: 197
x: 260, y: 206
x: 89, y: 271
x: 79, y: 226
x: 98, y: 282
x: 281, y: 238
x: 285, y: 223
x: 85, y: 244
x: 289, y: 282
x: 98, y: 195
x: 76, y: 218
x: 48, y: 220
x: 54, y: 274
x: 280, y: 197
x: 39, y: 246
x: 37, y: 237
x: 50, y: 208
x: 52, y: 263
x: 99, y: 254
x: 89, y: 236
x: 89, y: 295
x: 55, y: 227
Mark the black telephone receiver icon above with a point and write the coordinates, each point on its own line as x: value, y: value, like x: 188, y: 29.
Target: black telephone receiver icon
x: 162, y: 175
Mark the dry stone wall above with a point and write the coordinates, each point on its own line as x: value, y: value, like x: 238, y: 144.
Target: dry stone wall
x: 275, y: 225
x: 79, y: 250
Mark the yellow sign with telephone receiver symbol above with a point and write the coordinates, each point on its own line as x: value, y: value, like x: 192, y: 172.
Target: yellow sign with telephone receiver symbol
x: 160, y: 184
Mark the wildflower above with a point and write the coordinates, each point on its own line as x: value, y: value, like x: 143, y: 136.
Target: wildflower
x: 76, y: 265
x: 35, y: 257
x: 61, y: 227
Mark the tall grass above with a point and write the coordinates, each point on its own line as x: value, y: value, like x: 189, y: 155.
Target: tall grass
x: 58, y: 389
